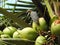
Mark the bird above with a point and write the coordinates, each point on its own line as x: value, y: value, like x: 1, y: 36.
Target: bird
x: 33, y: 15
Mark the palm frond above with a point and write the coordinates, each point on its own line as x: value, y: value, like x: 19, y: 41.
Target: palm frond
x: 20, y: 5
x: 13, y: 17
x: 25, y: 2
x: 27, y: 5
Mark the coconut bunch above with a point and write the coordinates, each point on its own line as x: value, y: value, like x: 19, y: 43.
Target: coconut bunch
x: 27, y: 33
x: 46, y: 34
x: 41, y: 33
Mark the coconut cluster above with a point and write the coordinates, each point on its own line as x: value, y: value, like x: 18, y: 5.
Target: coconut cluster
x: 38, y: 32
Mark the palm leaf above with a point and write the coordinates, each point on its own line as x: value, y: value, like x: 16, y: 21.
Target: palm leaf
x: 25, y: 2
x: 26, y: 7
x: 13, y: 17
x: 17, y: 9
x: 20, y: 5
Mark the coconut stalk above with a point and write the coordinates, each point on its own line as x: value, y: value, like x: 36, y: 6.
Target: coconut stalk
x: 51, y: 13
x: 53, y: 16
x: 56, y: 7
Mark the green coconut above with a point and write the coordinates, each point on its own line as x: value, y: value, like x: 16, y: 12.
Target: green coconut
x: 55, y: 27
x: 43, y: 24
x: 9, y: 30
x: 35, y: 26
x: 53, y: 19
x: 5, y: 36
x: 28, y: 33
x: 1, y: 33
x: 16, y: 34
x: 40, y: 40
